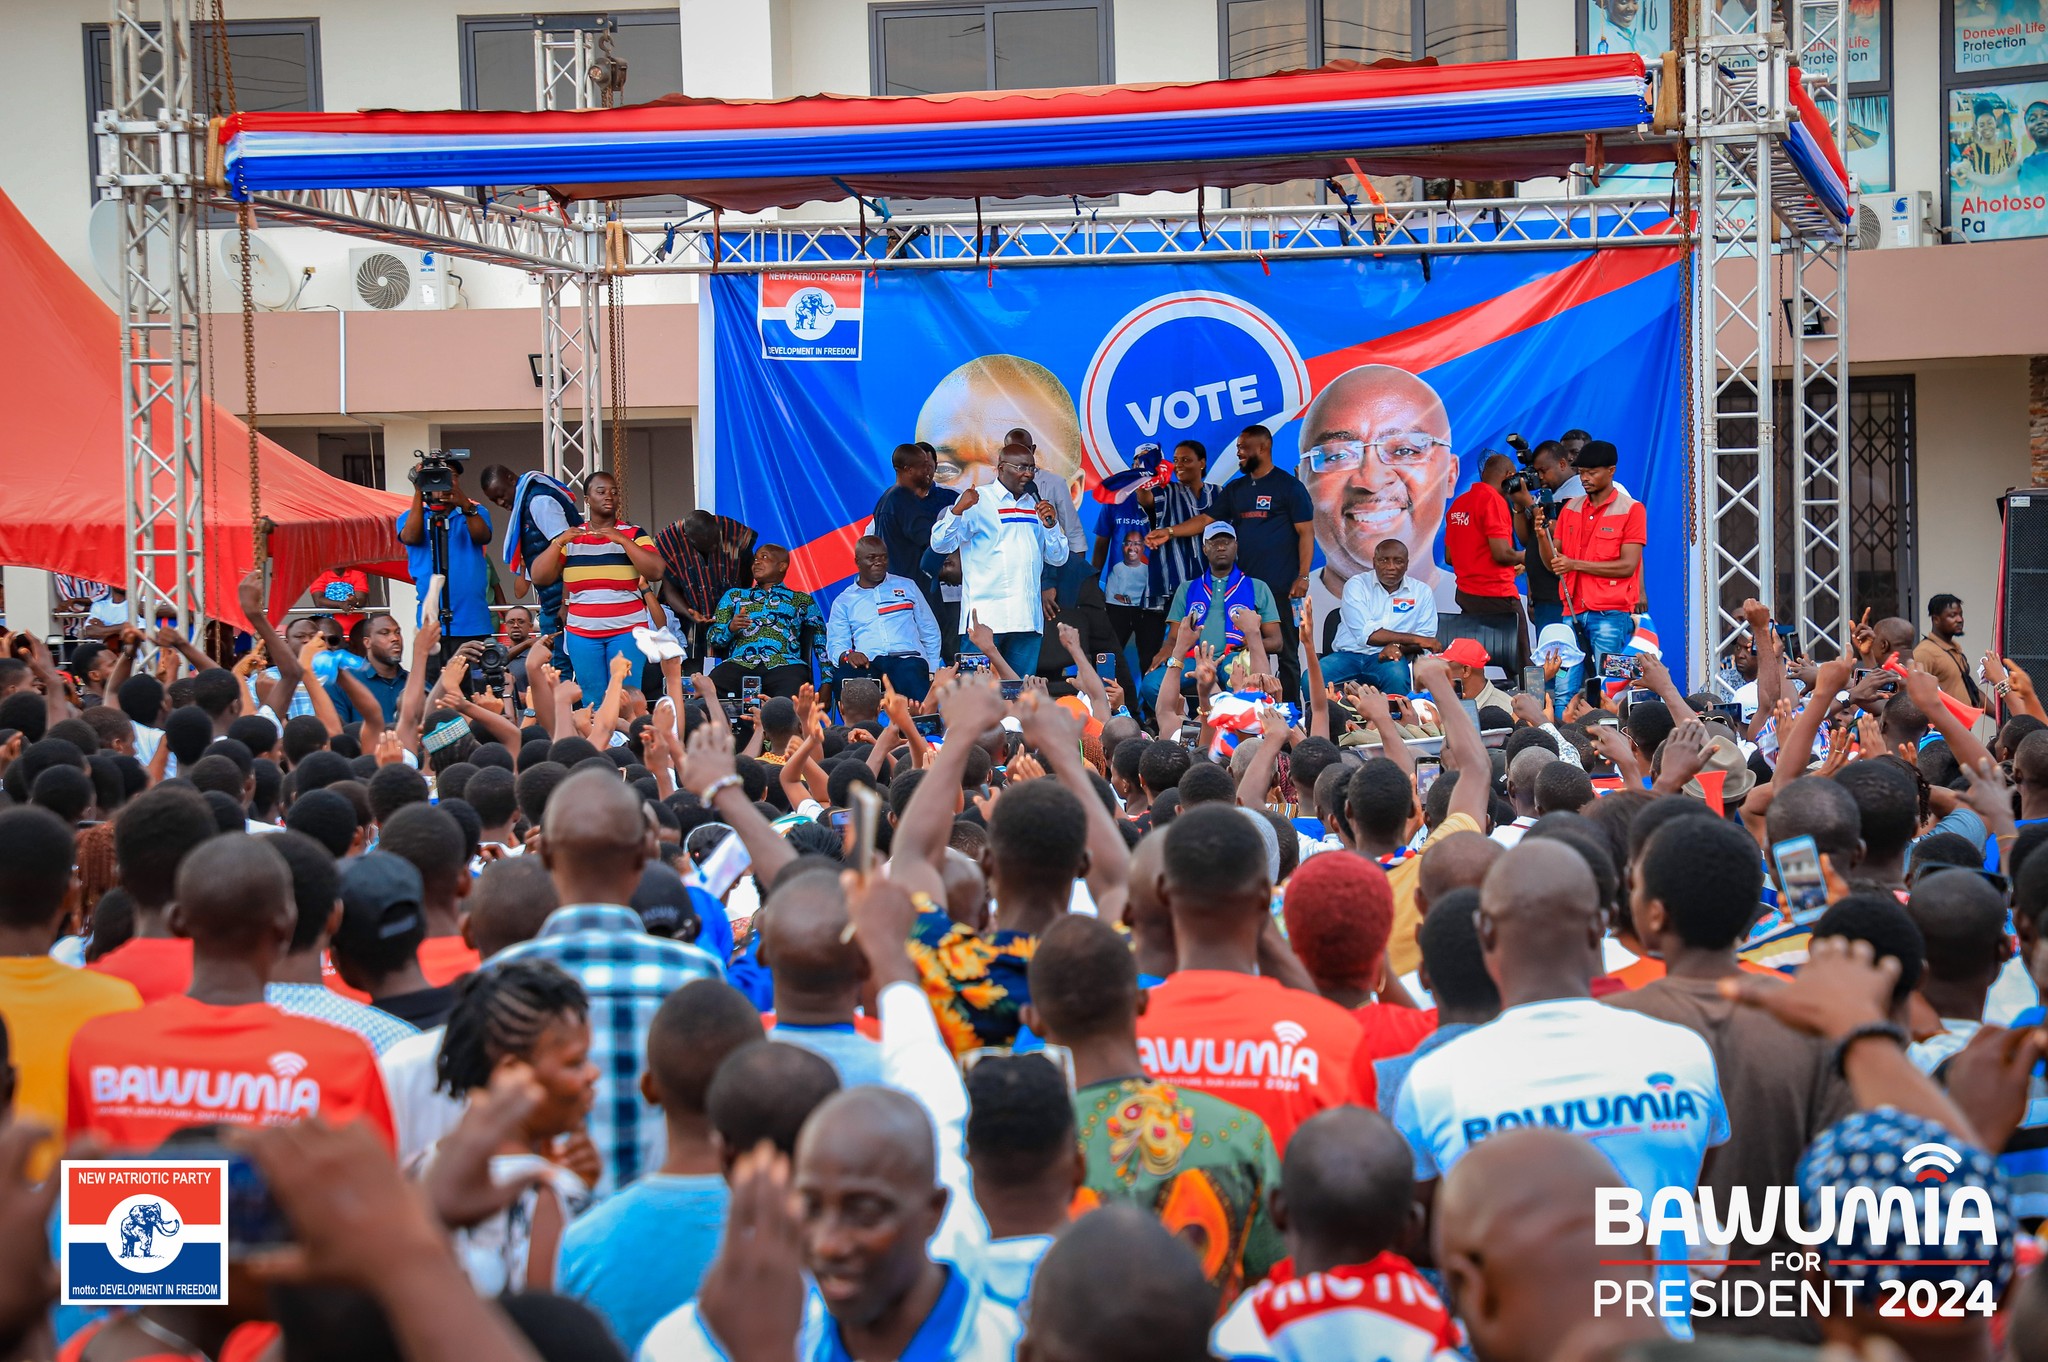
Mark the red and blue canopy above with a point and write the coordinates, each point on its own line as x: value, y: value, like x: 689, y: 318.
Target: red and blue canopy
x: 1810, y: 144
x: 1486, y: 120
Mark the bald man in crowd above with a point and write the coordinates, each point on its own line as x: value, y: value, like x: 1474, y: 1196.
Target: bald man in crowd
x: 1514, y: 1248
x: 818, y: 974
x: 890, y: 1233
x: 595, y: 839
x: 1118, y: 1285
x: 1376, y: 456
x: 1644, y: 1091
x: 1344, y: 1204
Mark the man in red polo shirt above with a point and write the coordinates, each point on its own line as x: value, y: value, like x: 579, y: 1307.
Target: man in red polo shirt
x: 1479, y: 545
x: 220, y: 1054
x: 1596, y: 550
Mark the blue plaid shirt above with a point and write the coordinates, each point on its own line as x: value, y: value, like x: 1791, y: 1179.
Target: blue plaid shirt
x: 380, y: 1029
x: 627, y: 974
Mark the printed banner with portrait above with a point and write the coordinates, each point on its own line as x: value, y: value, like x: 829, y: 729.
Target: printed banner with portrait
x: 1099, y: 360
x: 1997, y: 35
x: 1639, y: 26
x: 1998, y: 161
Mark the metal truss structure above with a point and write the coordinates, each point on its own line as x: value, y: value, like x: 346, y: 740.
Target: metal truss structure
x: 1751, y: 226
x: 1755, y: 225
x: 1173, y: 236
x: 147, y: 142
x: 571, y: 340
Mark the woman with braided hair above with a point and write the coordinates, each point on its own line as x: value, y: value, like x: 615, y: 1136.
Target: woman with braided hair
x: 523, y: 1025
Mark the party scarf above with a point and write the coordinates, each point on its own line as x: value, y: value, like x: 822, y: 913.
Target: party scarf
x: 1237, y: 590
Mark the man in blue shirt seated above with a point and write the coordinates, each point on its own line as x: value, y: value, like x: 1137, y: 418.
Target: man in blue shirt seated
x: 882, y: 626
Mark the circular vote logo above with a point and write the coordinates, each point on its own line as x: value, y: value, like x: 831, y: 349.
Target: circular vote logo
x: 1187, y: 366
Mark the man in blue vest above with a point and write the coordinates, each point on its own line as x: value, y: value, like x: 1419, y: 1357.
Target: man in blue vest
x: 541, y: 508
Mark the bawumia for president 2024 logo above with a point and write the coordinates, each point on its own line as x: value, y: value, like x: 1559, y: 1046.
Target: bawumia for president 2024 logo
x: 139, y: 1231
x: 811, y: 316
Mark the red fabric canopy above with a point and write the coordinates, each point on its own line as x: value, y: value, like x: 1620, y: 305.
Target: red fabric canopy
x: 61, y: 501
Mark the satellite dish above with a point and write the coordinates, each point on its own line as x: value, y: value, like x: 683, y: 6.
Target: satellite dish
x: 103, y: 243
x: 270, y: 280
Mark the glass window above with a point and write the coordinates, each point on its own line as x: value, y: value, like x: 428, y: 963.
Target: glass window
x: 1041, y: 48
x: 497, y: 56
x: 1262, y: 37
x: 1465, y: 30
x: 1996, y: 35
x: 1001, y: 45
x: 276, y: 66
x: 932, y: 54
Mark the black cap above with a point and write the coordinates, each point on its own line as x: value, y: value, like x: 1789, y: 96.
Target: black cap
x: 1596, y: 454
x: 380, y: 902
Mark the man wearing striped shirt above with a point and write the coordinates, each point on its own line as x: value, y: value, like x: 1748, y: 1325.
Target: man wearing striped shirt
x: 602, y: 566
x: 882, y: 626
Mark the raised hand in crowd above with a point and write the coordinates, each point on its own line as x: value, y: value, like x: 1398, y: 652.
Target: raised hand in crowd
x: 752, y: 1295
x: 28, y: 1277
x: 356, y: 1222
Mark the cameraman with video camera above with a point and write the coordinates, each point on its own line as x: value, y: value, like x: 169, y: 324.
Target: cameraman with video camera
x: 446, y: 534
x: 1479, y: 544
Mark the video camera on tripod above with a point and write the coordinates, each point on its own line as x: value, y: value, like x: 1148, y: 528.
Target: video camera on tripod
x: 435, y: 470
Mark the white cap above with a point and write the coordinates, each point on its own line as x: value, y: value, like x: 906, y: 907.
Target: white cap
x: 1216, y: 527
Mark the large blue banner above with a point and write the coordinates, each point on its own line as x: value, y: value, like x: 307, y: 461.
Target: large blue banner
x: 814, y: 379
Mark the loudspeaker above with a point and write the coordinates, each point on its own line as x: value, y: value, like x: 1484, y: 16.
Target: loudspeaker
x: 2023, y: 582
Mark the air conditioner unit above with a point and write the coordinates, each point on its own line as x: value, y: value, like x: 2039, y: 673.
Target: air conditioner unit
x: 1909, y: 219
x: 394, y: 279
x: 1869, y: 233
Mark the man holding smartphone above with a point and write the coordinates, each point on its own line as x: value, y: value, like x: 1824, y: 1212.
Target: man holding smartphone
x: 882, y: 626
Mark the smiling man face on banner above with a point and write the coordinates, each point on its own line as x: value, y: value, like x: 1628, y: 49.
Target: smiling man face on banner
x: 971, y: 409
x: 1376, y: 456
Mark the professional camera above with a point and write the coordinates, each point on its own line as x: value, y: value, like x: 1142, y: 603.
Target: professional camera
x: 491, y: 662
x: 435, y: 470
x: 1521, y: 447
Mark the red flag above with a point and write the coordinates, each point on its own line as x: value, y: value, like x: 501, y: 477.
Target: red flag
x: 1965, y: 715
x: 1710, y: 783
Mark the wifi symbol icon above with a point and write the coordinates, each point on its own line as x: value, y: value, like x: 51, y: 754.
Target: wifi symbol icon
x: 1932, y: 1162
x: 287, y: 1064
x: 1290, y: 1033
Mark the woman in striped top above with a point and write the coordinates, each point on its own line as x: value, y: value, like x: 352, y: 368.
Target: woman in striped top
x: 602, y: 565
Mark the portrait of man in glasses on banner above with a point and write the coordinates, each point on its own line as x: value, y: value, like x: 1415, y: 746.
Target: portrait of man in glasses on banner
x: 1377, y: 459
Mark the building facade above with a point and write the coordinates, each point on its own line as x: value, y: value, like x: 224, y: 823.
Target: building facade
x: 1948, y: 108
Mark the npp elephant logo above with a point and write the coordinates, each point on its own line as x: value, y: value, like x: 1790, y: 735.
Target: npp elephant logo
x: 140, y: 1227
x: 143, y: 1230
x: 805, y: 315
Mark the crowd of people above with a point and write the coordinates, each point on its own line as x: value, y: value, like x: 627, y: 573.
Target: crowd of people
x: 864, y: 981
